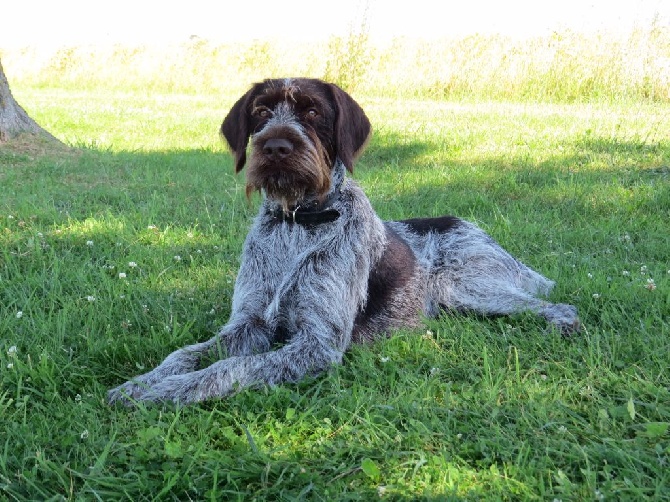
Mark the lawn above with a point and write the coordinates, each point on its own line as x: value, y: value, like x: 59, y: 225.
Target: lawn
x: 117, y: 252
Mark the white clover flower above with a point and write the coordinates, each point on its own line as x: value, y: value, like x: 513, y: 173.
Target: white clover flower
x: 434, y: 371
x: 77, y: 398
x: 151, y: 227
x: 19, y: 314
x: 84, y: 435
x: 651, y: 285
x: 11, y: 351
x: 10, y: 366
x: 589, y: 275
x: 625, y: 273
x: 643, y: 269
x: 177, y: 258
x: 132, y: 264
x: 596, y: 295
x: 89, y: 243
x: 384, y: 359
x: 90, y: 298
x: 122, y: 275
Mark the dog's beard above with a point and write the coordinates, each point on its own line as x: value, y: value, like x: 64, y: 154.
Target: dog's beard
x: 300, y: 178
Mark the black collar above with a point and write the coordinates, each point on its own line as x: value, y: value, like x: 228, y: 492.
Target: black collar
x: 315, y: 212
x: 310, y: 214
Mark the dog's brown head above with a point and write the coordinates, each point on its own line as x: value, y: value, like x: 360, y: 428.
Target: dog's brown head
x: 298, y: 128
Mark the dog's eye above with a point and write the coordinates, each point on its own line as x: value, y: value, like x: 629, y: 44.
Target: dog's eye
x: 312, y: 113
x: 263, y: 113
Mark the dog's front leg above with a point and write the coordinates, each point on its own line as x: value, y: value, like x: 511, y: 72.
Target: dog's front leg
x: 184, y: 360
x: 305, y: 355
x: 243, y: 335
x: 322, y: 335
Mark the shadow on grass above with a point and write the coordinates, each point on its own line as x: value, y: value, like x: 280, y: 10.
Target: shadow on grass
x: 604, y: 171
x: 394, y: 172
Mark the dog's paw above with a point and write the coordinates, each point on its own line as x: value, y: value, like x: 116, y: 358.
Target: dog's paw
x: 563, y: 317
x: 214, y: 381
x: 155, y: 387
x: 140, y: 388
x: 127, y: 393
x: 179, y: 389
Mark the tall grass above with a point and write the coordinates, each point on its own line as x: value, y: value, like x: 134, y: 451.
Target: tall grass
x: 562, y: 67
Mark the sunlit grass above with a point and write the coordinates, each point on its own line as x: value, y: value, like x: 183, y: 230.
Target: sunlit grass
x: 564, y: 66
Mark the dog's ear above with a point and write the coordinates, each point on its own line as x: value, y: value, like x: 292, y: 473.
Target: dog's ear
x: 352, y: 127
x: 236, y: 127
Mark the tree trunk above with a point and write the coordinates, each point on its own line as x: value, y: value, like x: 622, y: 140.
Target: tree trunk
x: 13, y: 119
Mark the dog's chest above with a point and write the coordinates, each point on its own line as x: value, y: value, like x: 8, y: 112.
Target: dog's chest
x: 289, y: 276
x: 286, y: 258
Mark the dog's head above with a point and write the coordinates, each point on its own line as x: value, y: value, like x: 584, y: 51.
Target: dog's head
x: 298, y: 129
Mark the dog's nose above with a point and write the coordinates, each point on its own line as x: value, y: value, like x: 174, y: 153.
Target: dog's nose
x: 277, y: 148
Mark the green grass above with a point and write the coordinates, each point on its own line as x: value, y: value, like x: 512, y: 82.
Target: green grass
x: 465, y: 408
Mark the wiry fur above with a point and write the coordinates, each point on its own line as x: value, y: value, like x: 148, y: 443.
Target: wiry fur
x: 305, y: 292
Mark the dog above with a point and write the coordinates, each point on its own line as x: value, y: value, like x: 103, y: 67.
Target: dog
x: 320, y: 270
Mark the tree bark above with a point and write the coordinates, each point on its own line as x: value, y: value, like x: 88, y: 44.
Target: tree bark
x: 13, y: 119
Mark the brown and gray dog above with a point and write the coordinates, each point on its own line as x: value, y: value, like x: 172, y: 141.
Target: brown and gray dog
x: 319, y: 269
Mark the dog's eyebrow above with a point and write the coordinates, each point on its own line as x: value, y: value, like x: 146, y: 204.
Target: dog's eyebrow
x: 274, y: 95
x: 271, y: 99
x: 268, y: 100
x: 305, y: 101
x: 290, y: 92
